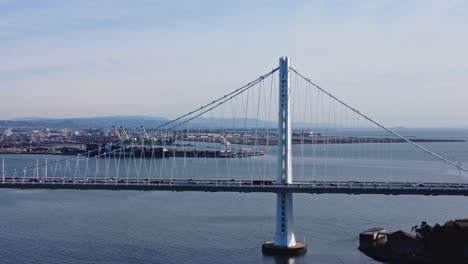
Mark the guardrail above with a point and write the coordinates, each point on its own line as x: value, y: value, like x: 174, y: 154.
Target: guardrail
x: 237, y: 185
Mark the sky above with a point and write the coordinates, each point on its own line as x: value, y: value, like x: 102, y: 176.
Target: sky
x: 404, y: 63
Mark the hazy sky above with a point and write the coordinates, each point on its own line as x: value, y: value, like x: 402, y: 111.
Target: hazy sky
x: 403, y: 62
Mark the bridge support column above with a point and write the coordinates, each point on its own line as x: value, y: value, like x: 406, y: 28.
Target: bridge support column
x: 3, y: 170
x: 285, y: 241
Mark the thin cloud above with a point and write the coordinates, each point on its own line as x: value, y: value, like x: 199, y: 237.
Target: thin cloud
x: 391, y: 59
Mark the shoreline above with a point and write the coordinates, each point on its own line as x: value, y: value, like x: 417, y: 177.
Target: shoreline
x: 264, y: 142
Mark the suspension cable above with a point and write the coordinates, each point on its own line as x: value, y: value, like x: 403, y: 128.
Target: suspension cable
x: 379, y: 125
x: 218, y: 101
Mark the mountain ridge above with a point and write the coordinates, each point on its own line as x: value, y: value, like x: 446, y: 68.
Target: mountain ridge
x: 134, y: 121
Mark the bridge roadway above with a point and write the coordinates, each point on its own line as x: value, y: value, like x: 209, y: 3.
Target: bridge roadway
x: 236, y: 185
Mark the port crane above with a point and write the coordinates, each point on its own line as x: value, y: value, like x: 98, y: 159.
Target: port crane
x: 143, y: 131
x: 123, y: 132
x: 117, y: 133
x: 225, y: 143
x: 146, y: 136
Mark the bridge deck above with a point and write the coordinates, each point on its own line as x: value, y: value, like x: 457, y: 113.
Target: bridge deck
x: 247, y: 186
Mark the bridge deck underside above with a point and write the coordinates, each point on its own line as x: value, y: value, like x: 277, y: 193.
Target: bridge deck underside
x: 247, y: 186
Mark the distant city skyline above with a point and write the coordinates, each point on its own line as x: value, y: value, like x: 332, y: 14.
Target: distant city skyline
x: 404, y: 63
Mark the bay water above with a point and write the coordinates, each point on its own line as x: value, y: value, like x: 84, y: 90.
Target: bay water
x: 72, y: 226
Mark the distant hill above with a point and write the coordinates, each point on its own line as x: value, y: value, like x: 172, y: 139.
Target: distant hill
x: 92, y: 122
x: 130, y: 122
x: 27, y: 119
x: 231, y: 122
x: 146, y: 121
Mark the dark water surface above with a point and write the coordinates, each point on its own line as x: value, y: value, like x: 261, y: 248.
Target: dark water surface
x: 55, y: 226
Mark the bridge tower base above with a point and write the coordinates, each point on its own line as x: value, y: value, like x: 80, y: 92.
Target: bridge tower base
x: 285, y: 241
x: 269, y: 248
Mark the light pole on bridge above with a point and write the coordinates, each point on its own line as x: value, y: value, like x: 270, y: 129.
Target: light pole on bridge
x: 285, y: 241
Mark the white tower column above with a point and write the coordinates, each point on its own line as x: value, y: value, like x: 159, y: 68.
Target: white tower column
x: 3, y: 170
x: 284, y: 235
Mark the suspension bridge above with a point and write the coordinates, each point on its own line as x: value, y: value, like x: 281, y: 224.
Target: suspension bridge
x: 254, y: 139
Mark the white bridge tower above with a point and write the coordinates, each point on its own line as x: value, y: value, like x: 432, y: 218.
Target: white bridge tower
x: 285, y: 241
